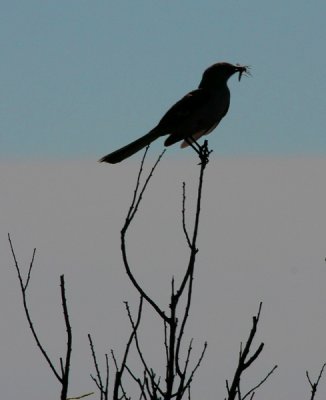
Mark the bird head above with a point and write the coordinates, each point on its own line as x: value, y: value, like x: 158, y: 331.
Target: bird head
x: 219, y: 73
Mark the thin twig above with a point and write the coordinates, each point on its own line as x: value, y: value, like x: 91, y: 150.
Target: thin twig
x: 172, y: 338
x: 196, y: 366
x: 98, y: 378
x: 193, y: 247
x: 147, y: 370
x: 66, y: 372
x: 166, y: 340
x: 184, y: 320
x: 243, y: 363
x: 30, y: 270
x: 314, y: 385
x: 184, y: 214
x: 251, y: 391
x: 80, y: 397
x: 140, y: 383
x: 136, y: 200
x: 31, y: 325
x: 171, y: 360
x: 107, y: 372
x: 65, y: 367
x: 134, y: 330
x: 131, y: 213
x: 134, y: 197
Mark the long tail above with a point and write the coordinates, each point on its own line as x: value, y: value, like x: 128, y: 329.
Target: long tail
x: 131, y: 148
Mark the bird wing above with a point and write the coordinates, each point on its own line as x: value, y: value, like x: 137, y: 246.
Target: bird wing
x: 186, y: 117
x: 195, y: 115
x: 183, y: 109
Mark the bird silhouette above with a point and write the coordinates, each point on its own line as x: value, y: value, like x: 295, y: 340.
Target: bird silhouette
x: 196, y: 114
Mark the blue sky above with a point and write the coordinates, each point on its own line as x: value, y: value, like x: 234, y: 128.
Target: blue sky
x: 81, y: 78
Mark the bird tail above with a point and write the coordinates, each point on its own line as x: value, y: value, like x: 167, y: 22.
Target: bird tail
x: 131, y: 148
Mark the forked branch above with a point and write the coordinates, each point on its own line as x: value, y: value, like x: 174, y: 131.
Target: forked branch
x: 177, y: 375
x: 314, y: 385
x: 137, y: 197
x: 63, y: 375
x: 245, y: 361
x: 102, y: 385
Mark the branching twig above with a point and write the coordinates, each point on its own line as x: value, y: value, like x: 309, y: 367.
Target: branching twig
x: 103, y: 388
x: 244, y: 363
x: 252, y: 391
x: 173, y: 335
x: 188, y: 383
x: 134, y: 197
x: 130, y: 215
x: 62, y: 377
x: 117, y: 383
x: 147, y: 371
x: 314, y: 385
x: 137, y: 198
x: 194, y: 250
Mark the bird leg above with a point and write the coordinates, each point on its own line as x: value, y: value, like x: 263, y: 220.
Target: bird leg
x: 202, y: 151
x: 194, y: 144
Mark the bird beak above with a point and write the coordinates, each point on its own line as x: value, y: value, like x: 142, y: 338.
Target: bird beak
x: 242, y: 69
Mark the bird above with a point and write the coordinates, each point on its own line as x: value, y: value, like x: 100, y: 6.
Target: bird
x: 196, y: 114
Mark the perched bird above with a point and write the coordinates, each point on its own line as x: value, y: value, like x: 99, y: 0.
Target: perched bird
x: 198, y: 113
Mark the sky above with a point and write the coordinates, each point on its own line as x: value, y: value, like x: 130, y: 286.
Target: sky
x: 81, y: 78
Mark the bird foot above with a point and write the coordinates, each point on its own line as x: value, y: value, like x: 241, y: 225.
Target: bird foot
x: 204, y: 153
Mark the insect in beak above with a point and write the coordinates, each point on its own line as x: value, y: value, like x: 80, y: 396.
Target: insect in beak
x: 243, y: 69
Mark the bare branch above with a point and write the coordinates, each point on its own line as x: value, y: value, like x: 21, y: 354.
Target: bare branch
x: 187, y: 358
x: 137, y: 198
x: 184, y: 320
x: 150, y: 385
x: 166, y: 340
x: 80, y: 397
x: 244, y: 363
x: 107, y: 374
x: 133, y: 337
x: 30, y: 270
x: 141, y: 383
x: 314, y: 386
x: 114, y: 360
x: 204, y: 160
x: 63, y: 378
x: 26, y: 309
x: 184, y: 214
x: 98, y: 379
x: 147, y: 370
x: 66, y: 371
x: 131, y: 213
x: 133, y: 201
x: 203, y: 154
x: 134, y: 330
x: 252, y: 391
x: 254, y: 356
x: 196, y: 366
